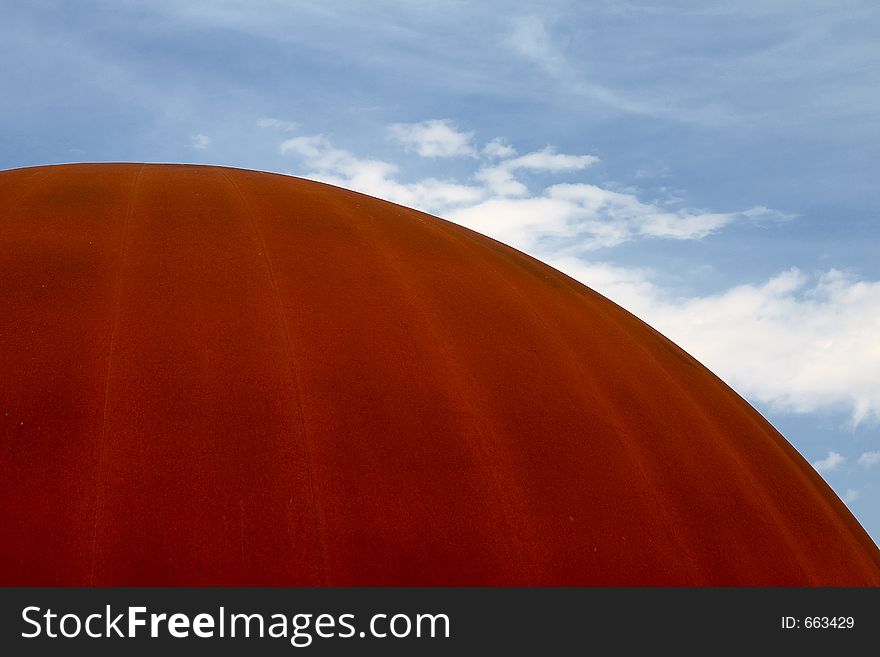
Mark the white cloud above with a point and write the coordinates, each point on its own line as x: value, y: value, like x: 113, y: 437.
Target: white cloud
x: 684, y: 225
x: 549, y: 160
x: 586, y: 215
x: 525, y: 222
x: 199, y: 142
x: 434, y: 138
x: 277, y: 124
x: 498, y: 147
x: 500, y: 181
x: 500, y: 177
x: 831, y: 462
x: 376, y: 177
x: 869, y: 459
x: 851, y: 495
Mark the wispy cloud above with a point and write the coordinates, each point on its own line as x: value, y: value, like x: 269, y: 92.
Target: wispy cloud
x: 199, y: 142
x: 869, y: 459
x: 434, y: 138
x: 532, y: 38
x: 277, y: 124
x: 831, y: 462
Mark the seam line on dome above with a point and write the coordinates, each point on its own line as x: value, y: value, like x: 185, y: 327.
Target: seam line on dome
x: 31, y: 183
x: 294, y: 373
x: 99, y: 485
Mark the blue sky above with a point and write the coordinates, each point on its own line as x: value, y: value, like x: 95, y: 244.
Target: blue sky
x: 713, y: 168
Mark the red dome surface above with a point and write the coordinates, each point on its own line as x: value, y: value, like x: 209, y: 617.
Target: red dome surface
x: 217, y: 376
